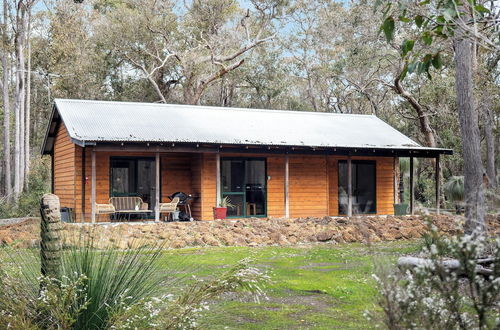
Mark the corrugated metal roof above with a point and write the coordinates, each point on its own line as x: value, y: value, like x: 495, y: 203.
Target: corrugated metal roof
x: 88, y: 121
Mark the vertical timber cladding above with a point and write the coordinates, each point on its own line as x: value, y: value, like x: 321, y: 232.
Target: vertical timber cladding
x: 175, y: 174
x: 276, y: 186
x: 208, y: 192
x: 384, y: 183
x: 64, y: 168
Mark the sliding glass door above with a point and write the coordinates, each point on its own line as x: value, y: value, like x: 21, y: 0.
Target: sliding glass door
x: 133, y: 176
x: 244, y: 183
x: 363, y: 188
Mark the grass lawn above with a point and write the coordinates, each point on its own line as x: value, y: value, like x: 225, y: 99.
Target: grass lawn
x: 313, y: 286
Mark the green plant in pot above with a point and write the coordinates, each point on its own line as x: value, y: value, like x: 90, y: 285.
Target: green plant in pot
x: 220, y: 212
x: 454, y: 192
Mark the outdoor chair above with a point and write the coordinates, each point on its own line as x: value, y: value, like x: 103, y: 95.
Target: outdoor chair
x: 104, y: 209
x: 169, y: 208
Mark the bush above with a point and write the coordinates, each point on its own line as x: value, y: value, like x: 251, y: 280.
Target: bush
x: 29, y: 200
x: 110, y: 288
x: 431, y: 296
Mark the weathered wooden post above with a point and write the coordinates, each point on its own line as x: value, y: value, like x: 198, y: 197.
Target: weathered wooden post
x: 50, y: 234
x: 412, y: 189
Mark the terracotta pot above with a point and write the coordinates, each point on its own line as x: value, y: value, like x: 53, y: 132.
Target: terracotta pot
x: 220, y: 212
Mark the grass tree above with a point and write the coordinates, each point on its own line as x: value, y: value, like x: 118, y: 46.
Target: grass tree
x: 50, y: 236
x: 454, y: 191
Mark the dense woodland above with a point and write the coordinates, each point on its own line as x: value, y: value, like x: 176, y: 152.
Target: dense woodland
x: 398, y: 60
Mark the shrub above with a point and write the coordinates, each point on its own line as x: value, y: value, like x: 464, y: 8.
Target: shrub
x: 29, y: 200
x: 431, y: 296
x: 108, y: 288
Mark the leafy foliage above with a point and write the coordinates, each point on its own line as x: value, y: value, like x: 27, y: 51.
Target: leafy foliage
x: 454, y: 189
x: 433, y: 297
x: 110, y: 288
x: 434, y: 22
x: 38, y: 184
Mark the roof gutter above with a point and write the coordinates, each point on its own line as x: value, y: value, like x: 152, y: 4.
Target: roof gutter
x: 83, y: 143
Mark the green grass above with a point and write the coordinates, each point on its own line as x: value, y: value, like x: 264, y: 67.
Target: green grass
x: 318, y: 286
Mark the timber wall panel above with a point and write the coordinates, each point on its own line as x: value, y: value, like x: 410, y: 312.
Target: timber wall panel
x: 308, y: 187
x: 64, y: 168
x: 385, y: 185
x: 208, y: 185
x: 333, y: 186
x: 276, y: 186
x: 175, y: 175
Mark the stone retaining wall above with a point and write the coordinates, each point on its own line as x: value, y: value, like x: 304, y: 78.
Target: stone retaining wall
x: 246, y: 232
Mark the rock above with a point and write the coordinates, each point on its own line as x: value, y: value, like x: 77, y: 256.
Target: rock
x: 347, y: 237
x: 228, y: 239
x: 325, y: 235
x: 177, y: 244
x: 247, y: 232
x: 7, y: 240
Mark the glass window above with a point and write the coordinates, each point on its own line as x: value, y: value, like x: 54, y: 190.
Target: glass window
x: 363, y: 187
x: 244, y: 183
x: 233, y: 175
x: 132, y: 176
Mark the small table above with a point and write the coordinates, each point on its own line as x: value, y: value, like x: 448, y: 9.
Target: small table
x: 143, y: 213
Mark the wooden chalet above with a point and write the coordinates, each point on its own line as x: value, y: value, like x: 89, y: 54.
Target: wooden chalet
x: 270, y: 163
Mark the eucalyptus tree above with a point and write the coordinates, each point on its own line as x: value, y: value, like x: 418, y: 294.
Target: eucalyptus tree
x: 16, y: 34
x: 188, y: 46
x: 347, y: 67
x: 467, y: 25
x: 5, y: 85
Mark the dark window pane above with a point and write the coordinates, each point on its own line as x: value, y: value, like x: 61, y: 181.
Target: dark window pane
x: 342, y: 187
x: 133, y: 177
x: 233, y: 175
x: 146, y: 184
x: 363, y: 187
x: 237, y: 209
x: 122, y: 177
x: 255, y: 187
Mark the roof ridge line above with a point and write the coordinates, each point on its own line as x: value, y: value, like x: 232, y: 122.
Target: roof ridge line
x: 211, y: 107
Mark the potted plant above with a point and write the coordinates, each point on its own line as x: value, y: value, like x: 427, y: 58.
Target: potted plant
x: 220, y: 212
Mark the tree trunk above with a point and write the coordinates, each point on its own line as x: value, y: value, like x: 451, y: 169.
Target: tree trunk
x: 490, y: 143
x: 423, y: 117
x: 19, y: 102
x: 27, y: 104
x: 6, y: 106
x: 310, y: 93
x: 473, y: 167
